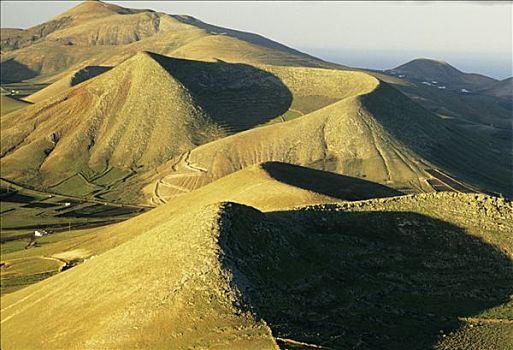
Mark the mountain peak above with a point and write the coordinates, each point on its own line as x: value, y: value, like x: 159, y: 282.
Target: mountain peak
x: 425, y: 63
x: 430, y: 71
x: 94, y: 8
x: 431, y: 61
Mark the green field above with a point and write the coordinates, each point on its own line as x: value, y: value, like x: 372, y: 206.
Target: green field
x: 22, y: 89
x: 23, y: 211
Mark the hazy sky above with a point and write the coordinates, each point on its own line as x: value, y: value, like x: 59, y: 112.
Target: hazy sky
x: 473, y: 36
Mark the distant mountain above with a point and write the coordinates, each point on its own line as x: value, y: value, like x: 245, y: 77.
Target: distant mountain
x: 441, y: 73
x: 94, y: 33
x: 473, y: 101
x: 503, y: 89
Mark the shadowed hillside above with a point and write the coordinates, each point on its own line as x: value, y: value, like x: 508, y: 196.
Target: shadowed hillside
x: 140, y: 114
x: 381, y: 136
x: 237, y: 96
x: 274, y: 185
x: 243, y: 279
x: 269, y: 186
x: 66, y: 82
x: 469, y: 109
x: 465, y: 155
x: 503, y: 89
x: 13, y: 71
x: 330, y: 184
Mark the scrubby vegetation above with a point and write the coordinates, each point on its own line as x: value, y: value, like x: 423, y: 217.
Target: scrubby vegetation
x: 295, y: 203
x: 409, y: 272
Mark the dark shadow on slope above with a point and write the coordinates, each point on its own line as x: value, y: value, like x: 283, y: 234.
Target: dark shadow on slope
x: 366, y: 280
x: 88, y: 73
x: 237, y: 96
x: 486, y: 110
x: 465, y: 155
x: 12, y: 71
x: 330, y: 184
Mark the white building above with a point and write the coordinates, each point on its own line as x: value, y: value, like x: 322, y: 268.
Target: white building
x: 40, y: 233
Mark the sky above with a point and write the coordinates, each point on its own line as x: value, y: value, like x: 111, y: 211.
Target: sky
x: 474, y: 36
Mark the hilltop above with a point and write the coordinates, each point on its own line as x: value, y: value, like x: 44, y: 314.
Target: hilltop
x: 109, y: 122
x: 503, y: 89
x: 441, y: 73
x: 99, y: 34
x: 268, y: 186
x: 106, y: 122
x: 273, y: 185
x: 473, y: 101
x: 377, y: 134
x: 243, y: 278
x: 341, y: 121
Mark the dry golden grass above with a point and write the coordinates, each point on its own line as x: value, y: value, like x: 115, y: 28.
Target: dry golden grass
x: 132, y: 116
x: 352, y: 124
x: 184, y: 275
x: 105, y: 34
x: 248, y: 249
x: 9, y: 104
x: 344, y: 121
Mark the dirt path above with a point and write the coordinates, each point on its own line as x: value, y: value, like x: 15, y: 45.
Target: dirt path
x: 377, y: 147
x: 292, y: 342
x: 156, y: 193
x: 176, y: 187
x: 189, y: 166
x: 183, y: 163
x: 487, y: 320
x: 450, y: 182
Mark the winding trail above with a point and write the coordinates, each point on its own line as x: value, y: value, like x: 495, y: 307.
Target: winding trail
x: 189, y: 166
x: 300, y: 343
x: 377, y: 147
x: 183, y: 162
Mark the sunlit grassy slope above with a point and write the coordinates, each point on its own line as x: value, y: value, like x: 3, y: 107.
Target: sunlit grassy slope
x: 229, y: 276
x: 66, y: 82
x: 367, y: 130
x: 342, y: 121
x: 132, y: 116
x: 266, y: 186
x: 95, y: 33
